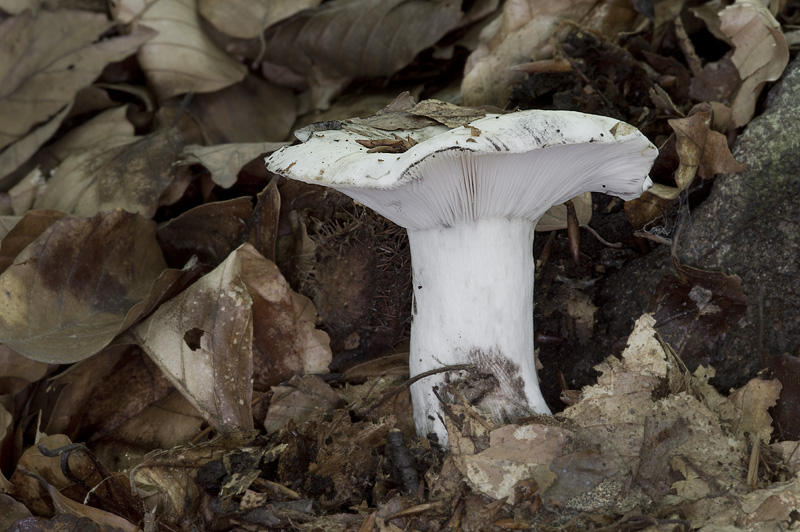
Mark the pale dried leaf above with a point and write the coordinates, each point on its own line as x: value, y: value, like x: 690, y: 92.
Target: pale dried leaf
x: 761, y: 52
x: 6, y: 421
x: 752, y: 403
x: 245, y: 19
x: 22, y: 150
x: 556, y: 216
x: 342, y: 40
x: 225, y: 160
x: 121, y: 171
x: 202, y: 340
x: 24, y: 193
x: 46, y: 57
x: 181, y: 58
x: 68, y: 293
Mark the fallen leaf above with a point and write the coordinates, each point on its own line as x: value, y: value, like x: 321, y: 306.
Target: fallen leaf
x: 202, y: 340
x: 250, y: 111
x: 296, y: 402
x: 25, y: 231
x: 43, y: 69
x: 210, y: 232
x: 225, y: 160
x: 761, y: 53
x: 92, y: 271
x: 246, y: 19
x: 127, y: 172
x: 17, y: 371
x: 181, y: 58
x: 341, y: 40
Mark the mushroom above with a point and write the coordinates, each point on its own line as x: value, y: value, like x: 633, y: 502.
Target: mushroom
x: 470, y: 198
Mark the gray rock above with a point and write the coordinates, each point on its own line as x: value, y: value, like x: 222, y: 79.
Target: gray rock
x: 748, y: 226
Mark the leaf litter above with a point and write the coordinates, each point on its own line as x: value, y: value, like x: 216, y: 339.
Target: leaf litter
x: 203, y: 305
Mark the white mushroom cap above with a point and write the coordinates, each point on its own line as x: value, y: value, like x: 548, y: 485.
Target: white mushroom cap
x: 514, y: 165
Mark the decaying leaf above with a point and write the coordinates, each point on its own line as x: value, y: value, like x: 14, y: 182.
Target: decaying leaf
x: 68, y: 293
x: 342, y: 40
x: 205, y: 339
x: 761, y: 52
x: 556, y: 216
x: 181, y: 58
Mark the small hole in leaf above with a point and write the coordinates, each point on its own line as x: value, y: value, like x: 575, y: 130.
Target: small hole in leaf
x: 192, y: 338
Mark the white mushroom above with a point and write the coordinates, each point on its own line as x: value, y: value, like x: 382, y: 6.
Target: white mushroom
x: 470, y: 198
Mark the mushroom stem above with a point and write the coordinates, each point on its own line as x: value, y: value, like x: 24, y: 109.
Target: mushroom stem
x: 473, y: 303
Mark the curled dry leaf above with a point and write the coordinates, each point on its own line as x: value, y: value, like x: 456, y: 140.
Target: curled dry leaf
x: 67, y: 294
x: 181, y: 58
x: 245, y: 19
x: 46, y: 57
x: 25, y: 231
x: 341, y: 40
x: 225, y: 160
x: 701, y: 150
x: 761, y: 52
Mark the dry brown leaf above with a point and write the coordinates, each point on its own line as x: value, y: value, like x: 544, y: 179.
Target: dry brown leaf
x: 165, y: 424
x: 341, y: 40
x: 121, y: 171
x: 167, y: 478
x: 299, y: 400
x: 225, y: 160
x: 752, y: 402
x: 25, y: 231
x: 250, y: 111
x: 210, y: 232
x: 42, y: 69
x: 202, y: 340
x: 17, y: 371
x: 286, y: 341
x: 701, y: 151
x: 67, y: 294
x: 66, y: 506
x: 761, y: 52
x: 181, y: 58
x: 6, y: 422
x: 245, y: 19
x: 27, y: 489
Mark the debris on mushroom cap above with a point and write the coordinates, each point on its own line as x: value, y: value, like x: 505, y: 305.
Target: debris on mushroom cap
x: 533, y: 159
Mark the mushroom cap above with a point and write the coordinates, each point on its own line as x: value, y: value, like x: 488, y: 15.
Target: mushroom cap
x: 514, y: 165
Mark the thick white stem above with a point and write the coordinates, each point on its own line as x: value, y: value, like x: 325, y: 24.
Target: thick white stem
x: 473, y: 303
